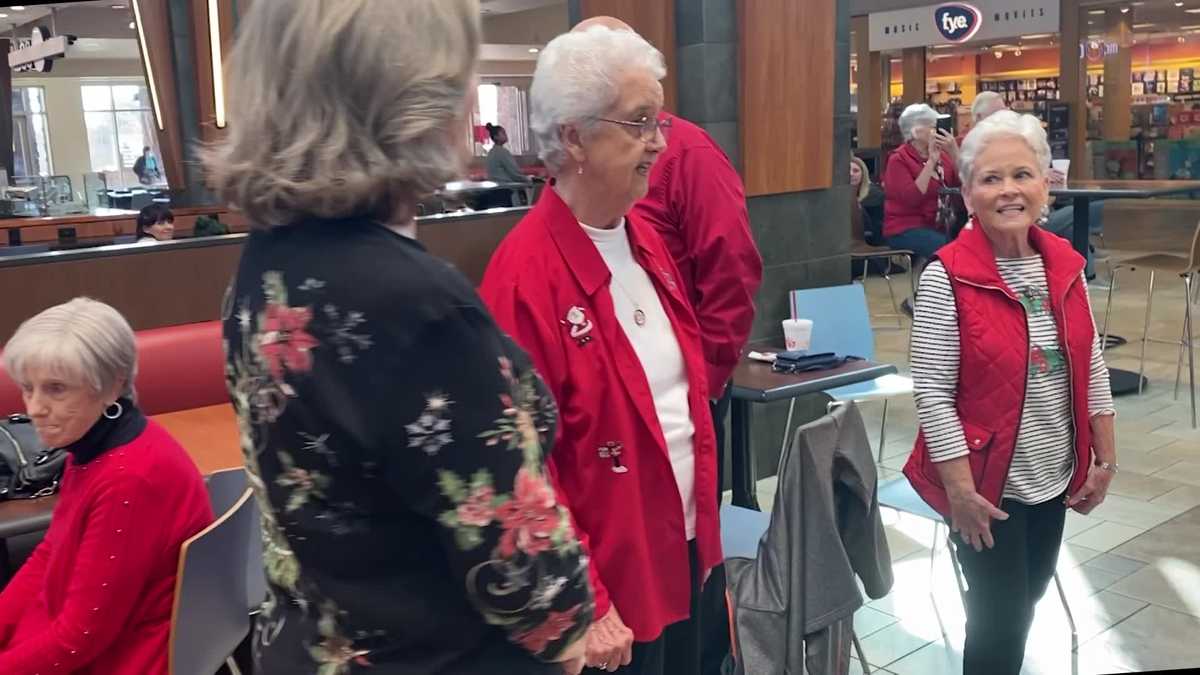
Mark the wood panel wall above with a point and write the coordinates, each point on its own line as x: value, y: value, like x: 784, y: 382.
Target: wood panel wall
x: 653, y: 20
x: 869, y: 78
x: 156, y: 26
x: 1072, y: 86
x: 913, y: 68
x: 1118, y: 68
x: 786, y: 76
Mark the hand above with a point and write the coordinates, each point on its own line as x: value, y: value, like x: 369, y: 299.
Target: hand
x: 1093, y: 492
x: 573, y: 666
x: 609, y: 643
x: 971, y: 517
x: 947, y: 144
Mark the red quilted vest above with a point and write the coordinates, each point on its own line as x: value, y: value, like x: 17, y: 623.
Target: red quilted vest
x: 994, y: 360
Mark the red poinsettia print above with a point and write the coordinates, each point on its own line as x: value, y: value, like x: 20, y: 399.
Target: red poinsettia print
x: 556, y: 623
x: 285, y: 341
x: 529, y: 518
x: 477, y: 509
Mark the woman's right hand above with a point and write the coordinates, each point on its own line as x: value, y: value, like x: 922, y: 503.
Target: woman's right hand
x: 609, y: 643
x: 971, y: 517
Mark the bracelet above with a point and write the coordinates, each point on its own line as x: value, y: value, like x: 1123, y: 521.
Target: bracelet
x: 1107, y: 466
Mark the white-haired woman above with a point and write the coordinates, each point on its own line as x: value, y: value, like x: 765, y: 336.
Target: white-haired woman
x: 1003, y: 453
x: 594, y: 296
x: 96, y: 594
x: 393, y: 434
x: 915, y: 174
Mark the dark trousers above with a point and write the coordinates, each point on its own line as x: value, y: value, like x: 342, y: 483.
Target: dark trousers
x: 713, y: 607
x: 1005, y: 583
x: 677, y: 650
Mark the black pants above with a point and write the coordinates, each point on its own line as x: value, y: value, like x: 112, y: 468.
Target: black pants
x: 713, y: 607
x: 677, y: 650
x: 1005, y: 583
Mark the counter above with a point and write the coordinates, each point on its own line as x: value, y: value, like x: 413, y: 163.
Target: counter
x: 102, y: 224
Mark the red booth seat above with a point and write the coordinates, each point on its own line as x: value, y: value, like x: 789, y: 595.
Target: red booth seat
x: 179, y: 368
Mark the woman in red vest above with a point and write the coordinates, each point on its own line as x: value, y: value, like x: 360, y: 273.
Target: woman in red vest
x: 1003, y: 453
x: 593, y: 294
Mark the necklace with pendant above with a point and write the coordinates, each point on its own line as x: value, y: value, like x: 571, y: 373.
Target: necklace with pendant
x: 639, y: 317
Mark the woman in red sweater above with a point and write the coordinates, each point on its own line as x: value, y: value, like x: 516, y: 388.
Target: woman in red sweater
x: 915, y: 174
x: 96, y: 595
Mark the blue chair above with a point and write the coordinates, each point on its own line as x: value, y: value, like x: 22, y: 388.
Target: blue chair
x: 898, y: 494
x: 842, y: 324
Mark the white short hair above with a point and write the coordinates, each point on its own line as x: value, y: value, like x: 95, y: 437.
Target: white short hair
x: 1003, y: 123
x: 917, y: 115
x: 83, y: 340
x: 576, y: 82
x: 344, y: 108
x: 983, y: 100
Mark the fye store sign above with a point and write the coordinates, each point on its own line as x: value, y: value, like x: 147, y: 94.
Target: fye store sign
x: 958, y: 22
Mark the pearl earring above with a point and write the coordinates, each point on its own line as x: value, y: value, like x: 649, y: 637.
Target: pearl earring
x: 580, y: 171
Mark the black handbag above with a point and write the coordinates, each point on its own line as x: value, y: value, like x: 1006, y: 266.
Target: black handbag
x: 28, y: 470
x: 803, y: 362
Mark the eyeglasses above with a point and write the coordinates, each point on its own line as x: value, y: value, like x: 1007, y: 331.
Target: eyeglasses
x: 647, y: 127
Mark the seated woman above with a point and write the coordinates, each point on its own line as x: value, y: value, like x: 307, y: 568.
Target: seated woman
x: 594, y: 295
x: 868, y: 202
x: 155, y: 223
x: 97, y: 593
x: 915, y: 174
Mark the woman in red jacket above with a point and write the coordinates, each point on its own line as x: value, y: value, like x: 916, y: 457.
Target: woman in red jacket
x: 95, y: 598
x: 594, y: 296
x: 915, y: 174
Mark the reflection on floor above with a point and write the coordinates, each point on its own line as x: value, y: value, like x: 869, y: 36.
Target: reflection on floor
x: 1131, y: 569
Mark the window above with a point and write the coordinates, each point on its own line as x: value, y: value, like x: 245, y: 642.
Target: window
x: 31, y: 133
x: 119, y: 124
x: 508, y: 107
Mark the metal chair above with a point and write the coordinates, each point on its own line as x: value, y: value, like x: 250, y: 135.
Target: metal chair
x: 842, y: 324
x: 898, y: 494
x: 225, y: 487
x: 862, y: 252
x: 1186, y: 268
x: 208, y: 620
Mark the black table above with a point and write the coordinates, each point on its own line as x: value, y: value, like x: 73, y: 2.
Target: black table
x: 1082, y: 193
x: 755, y: 382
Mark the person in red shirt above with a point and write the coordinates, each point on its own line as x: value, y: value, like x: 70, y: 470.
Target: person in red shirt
x: 591, y: 291
x: 915, y: 174
x: 95, y: 597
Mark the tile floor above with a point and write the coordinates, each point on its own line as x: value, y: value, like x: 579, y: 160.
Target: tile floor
x: 1130, y: 570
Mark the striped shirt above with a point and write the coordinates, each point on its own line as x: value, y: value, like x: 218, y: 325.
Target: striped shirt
x: 1044, y: 457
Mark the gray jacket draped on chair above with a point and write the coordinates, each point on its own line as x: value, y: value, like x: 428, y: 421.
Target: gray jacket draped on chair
x: 825, y: 529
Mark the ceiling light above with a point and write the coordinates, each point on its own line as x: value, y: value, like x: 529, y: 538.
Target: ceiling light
x: 1179, y: 3
x: 18, y: 8
x: 534, y: 50
x: 1037, y: 36
x: 132, y: 25
x: 3, y: 16
x: 1189, y: 27
x: 1137, y: 4
x: 1017, y: 52
x: 1195, y: 10
x: 118, y: 6
x: 1098, y: 12
x: 1124, y: 10
x: 218, y: 68
x: 999, y: 54
x: 1142, y: 25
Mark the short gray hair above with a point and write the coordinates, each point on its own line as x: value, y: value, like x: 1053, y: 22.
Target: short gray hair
x: 1004, y: 123
x: 983, y: 100
x: 576, y: 81
x: 917, y: 115
x: 344, y: 108
x: 82, y: 340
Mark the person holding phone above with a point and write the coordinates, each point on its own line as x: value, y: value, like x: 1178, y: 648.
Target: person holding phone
x: 915, y: 175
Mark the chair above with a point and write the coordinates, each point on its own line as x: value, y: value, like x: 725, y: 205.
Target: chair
x: 898, y: 494
x: 862, y: 252
x: 208, y: 620
x: 842, y: 324
x: 1186, y: 268
x: 225, y: 487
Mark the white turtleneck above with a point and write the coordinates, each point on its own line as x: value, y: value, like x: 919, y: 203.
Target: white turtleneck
x: 658, y: 350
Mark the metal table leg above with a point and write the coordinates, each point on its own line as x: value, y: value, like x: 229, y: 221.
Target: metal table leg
x: 741, y: 458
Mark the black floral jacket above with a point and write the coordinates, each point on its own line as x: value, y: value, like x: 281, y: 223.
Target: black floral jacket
x: 394, y: 438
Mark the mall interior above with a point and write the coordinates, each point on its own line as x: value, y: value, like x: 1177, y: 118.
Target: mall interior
x: 818, y: 271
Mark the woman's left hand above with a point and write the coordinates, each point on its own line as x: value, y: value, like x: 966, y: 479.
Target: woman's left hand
x: 1093, y: 492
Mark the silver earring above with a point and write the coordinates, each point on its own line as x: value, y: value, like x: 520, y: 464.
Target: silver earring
x: 1045, y: 216
x: 108, y: 414
x: 580, y: 171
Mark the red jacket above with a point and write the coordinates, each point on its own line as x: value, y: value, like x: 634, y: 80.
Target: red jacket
x: 904, y: 206
x: 697, y: 204
x: 95, y: 598
x: 995, y: 351
x: 549, y: 287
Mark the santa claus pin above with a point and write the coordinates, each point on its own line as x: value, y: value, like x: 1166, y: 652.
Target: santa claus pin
x: 579, y: 325
x: 613, y: 450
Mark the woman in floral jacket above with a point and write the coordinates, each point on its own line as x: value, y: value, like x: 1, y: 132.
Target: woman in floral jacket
x: 394, y: 436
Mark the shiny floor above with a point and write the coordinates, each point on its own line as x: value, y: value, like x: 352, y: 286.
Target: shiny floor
x: 1131, y: 569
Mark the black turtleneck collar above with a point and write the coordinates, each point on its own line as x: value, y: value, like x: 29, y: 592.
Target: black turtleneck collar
x: 107, y: 434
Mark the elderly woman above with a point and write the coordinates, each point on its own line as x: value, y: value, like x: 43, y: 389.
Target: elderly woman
x: 393, y: 434
x: 97, y: 593
x: 1002, y: 454
x: 915, y: 174
x: 594, y: 295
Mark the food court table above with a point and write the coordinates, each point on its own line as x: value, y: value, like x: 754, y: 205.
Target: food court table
x: 756, y: 382
x: 1081, y: 193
